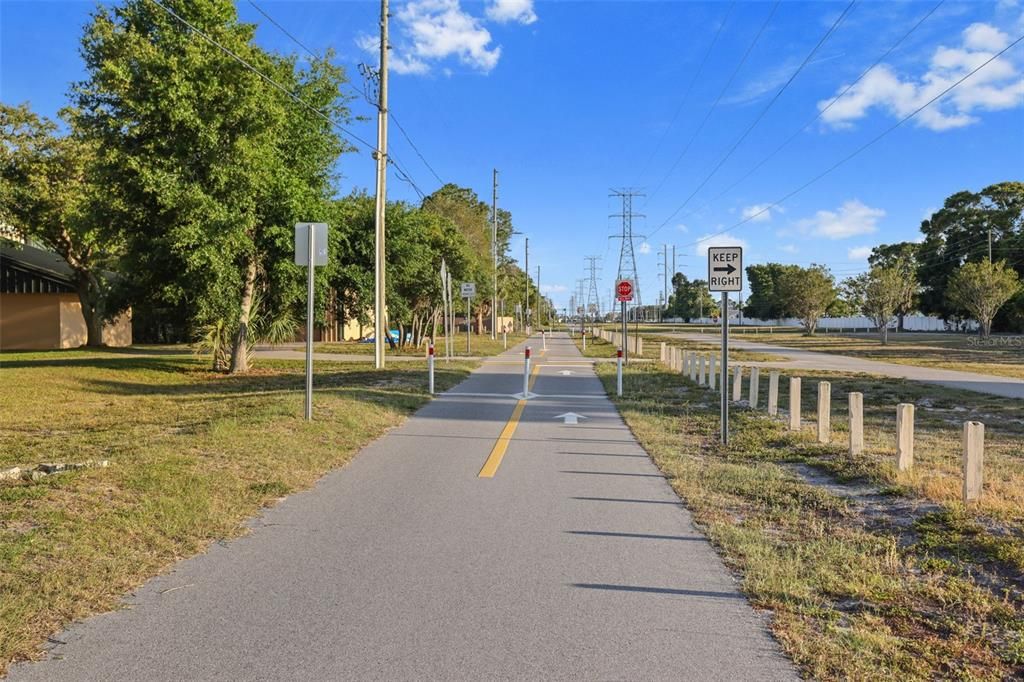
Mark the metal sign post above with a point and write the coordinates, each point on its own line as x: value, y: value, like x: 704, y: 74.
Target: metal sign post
x: 468, y: 292
x: 624, y: 292
x: 310, y: 251
x: 725, y: 274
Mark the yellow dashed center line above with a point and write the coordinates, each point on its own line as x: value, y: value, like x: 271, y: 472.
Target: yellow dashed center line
x: 501, y: 446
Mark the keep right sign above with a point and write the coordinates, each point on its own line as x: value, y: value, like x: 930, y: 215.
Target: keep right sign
x: 725, y: 268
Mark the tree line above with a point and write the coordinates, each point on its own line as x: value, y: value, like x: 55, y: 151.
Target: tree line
x: 969, y: 264
x: 172, y: 180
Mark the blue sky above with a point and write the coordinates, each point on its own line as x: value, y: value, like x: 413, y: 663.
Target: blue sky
x: 570, y: 99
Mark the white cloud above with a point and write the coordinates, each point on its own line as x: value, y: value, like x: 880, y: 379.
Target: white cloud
x: 717, y: 240
x: 789, y: 248
x: 503, y: 11
x: 645, y: 248
x: 433, y: 30
x: 999, y: 85
x: 682, y: 228
x: 759, y: 213
x: 553, y: 288
x: 858, y: 253
x: 849, y: 220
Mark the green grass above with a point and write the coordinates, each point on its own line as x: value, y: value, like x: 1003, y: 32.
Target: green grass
x: 998, y: 355
x: 905, y: 583
x: 192, y: 455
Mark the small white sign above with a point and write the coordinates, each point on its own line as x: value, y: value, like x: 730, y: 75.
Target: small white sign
x: 725, y: 268
x: 319, y: 244
x: 468, y: 289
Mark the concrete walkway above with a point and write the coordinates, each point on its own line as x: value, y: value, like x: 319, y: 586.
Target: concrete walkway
x: 796, y: 358
x: 574, y: 560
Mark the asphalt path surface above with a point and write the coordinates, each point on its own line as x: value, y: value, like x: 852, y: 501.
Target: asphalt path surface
x: 575, y: 560
x: 796, y: 358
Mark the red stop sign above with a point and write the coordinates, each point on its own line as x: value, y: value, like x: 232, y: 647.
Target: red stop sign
x: 624, y: 290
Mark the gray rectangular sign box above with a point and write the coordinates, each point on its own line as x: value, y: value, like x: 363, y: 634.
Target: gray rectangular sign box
x: 725, y: 268
x: 319, y: 243
x: 468, y: 289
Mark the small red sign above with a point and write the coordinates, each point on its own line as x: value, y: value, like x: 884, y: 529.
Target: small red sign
x: 624, y: 290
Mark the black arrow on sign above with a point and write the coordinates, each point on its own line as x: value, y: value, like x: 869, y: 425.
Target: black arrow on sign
x: 729, y: 269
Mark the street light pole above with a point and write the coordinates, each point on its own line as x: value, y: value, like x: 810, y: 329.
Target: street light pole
x: 526, y: 273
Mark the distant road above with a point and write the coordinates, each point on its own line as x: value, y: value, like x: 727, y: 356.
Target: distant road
x: 485, y: 539
x: 796, y: 358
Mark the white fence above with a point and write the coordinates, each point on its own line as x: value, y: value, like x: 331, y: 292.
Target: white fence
x: 911, y: 323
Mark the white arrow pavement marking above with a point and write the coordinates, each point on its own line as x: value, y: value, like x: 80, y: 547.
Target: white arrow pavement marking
x: 570, y: 418
x: 566, y: 372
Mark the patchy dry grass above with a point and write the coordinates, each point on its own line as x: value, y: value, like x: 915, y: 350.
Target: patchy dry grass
x: 599, y: 348
x: 192, y: 455
x: 999, y: 355
x: 871, y: 573
x: 480, y: 346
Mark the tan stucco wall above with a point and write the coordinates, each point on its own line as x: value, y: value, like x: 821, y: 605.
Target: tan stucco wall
x: 73, y: 332
x: 30, y: 321
x: 46, y: 321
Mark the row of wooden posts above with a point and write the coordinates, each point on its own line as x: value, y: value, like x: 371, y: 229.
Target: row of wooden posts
x: 701, y: 369
x: 634, y: 342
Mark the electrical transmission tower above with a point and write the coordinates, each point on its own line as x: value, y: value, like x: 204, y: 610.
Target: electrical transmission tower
x: 593, y: 298
x: 627, y: 257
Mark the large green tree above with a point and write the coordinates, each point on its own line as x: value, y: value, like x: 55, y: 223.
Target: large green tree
x: 887, y: 290
x: 690, y: 298
x: 807, y: 293
x: 48, y: 195
x: 959, y: 233
x: 765, y: 301
x: 981, y: 289
x: 903, y: 257
x: 208, y: 165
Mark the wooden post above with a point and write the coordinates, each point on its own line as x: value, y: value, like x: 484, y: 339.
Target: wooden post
x: 737, y: 383
x: 773, y: 394
x: 855, y: 402
x: 974, y: 451
x: 701, y: 373
x: 712, y: 374
x: 664, y: 347
x: 904, y: 436
x: 794, y: 403
x: 824, y: 411
x: 755, y: 378
x: 691, y: 360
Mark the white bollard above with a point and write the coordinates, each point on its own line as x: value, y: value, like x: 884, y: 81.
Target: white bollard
x: 618, y: 373
x: 794, y: 403
x: 584, y: 343
x: 504, y: 339
x: 824, y: 411
x: 755, y: 379
x: 430, y: 368
x: 692, y: 355
x: 544, y: 340
x: 737, y: 384
x: 700, y: 374
x: 712, y: 374
x: 773, y: 394
x: 974, y: 452
x: 526, y: 374
x: 663, y: 347
x: 855, y: 404
x: 905, y: 436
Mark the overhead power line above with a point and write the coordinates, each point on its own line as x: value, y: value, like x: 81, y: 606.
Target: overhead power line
x: 689, y: 89
x: 862, y: 148
x: 391, y: 115
x: 832, y: 29
x: 828, y: 106
x: 714, y: 105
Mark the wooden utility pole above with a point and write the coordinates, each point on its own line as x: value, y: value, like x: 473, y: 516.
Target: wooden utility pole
x: 381, y: 154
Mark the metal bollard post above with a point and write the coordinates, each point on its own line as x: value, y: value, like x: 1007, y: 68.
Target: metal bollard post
x: 618, y: 375
x: 526, y: 374
x: 543, y: 339
x: 430, y: 368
